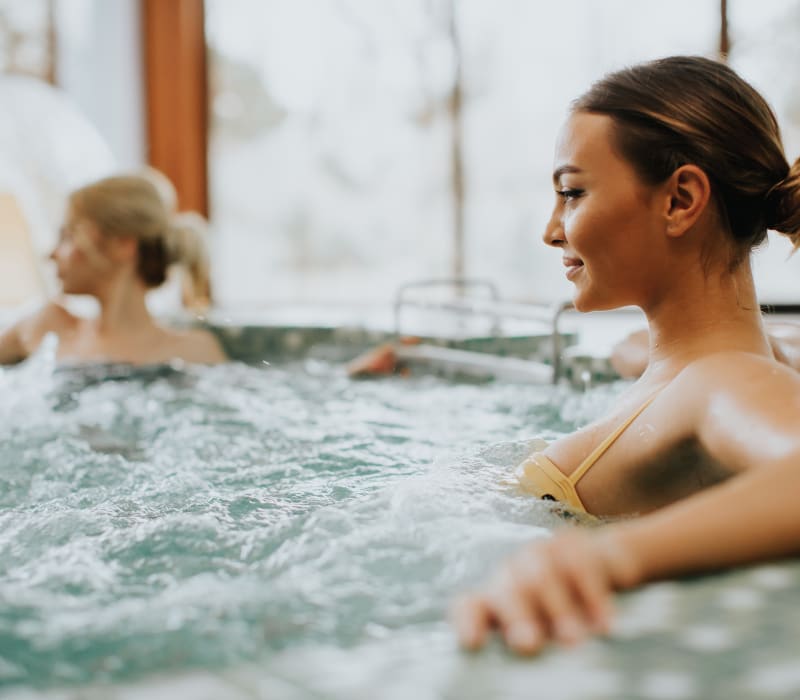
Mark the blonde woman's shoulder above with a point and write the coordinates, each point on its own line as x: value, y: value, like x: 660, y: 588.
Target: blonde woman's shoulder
x: 199, y: 346
x: 52, y: 316
x: 22, y: 338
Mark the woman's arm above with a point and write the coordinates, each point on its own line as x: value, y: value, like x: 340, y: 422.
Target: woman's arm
x: 12, y: 349
x: 749, y: 423
x: 561, y: 589
x: 20, y: 340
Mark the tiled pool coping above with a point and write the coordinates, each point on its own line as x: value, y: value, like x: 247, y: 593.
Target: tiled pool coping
x: 340, y: 335
x: 733, y: 636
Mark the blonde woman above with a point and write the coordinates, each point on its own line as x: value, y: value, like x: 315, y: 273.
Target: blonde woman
x: 666, y: 175
x: 119, y: 239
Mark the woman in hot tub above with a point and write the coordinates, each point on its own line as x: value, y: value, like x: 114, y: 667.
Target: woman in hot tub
x: 666, y: 175
x: 120, y: 237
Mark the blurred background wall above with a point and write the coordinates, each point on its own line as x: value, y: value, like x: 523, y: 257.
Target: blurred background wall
x: 344, y: 147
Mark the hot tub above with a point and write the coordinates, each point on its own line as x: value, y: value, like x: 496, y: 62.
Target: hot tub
x: 281, y: 531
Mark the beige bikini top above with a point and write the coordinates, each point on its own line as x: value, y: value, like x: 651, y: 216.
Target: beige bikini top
x: 544, y: 479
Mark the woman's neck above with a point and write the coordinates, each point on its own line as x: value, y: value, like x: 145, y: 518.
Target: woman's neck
x: 706, y: 314
x: 123, y: 307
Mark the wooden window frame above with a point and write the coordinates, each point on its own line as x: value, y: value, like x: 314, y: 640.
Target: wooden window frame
x: 176, y: 96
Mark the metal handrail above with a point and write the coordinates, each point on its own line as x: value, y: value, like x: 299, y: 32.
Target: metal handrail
x: 555, y: 338
x: 549, y: 314
x: 460, y: 284
x: 476, y: 363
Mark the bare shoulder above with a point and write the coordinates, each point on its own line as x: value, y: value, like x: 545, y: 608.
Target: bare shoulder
x: 738, y: 371
x: 23, y: 337
x: 731, y: 383
x: 744, y: 406
x: 51, y: 317
x: 198, y: 346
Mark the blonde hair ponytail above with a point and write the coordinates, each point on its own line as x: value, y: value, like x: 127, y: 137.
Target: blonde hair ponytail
x: 186, y: 247
x: 144, y: 206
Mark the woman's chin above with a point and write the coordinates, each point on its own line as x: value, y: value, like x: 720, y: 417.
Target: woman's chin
x: 75, y: 289
x: 584, y: 302
x: 586, y: 305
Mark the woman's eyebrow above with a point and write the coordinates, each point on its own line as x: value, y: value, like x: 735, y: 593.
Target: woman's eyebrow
x: 563, y: 170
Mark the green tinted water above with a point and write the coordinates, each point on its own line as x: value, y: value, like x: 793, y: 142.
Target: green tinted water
x: 167, y: 520
x: 239, y: 533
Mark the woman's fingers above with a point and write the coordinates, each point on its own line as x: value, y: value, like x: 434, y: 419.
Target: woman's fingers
x: 594, y: 596
x: 515, y: 613
x: 554, y: 590
x: 586, y: 573
x: 547, y: 587
x: 473, y: 620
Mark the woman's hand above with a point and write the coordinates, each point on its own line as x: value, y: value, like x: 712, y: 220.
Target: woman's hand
x: 557, y: 589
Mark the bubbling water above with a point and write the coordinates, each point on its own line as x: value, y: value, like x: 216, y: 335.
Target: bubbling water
x: 156, y: 520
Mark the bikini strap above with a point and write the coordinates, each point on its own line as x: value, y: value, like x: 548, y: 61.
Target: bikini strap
x: 600, y: 450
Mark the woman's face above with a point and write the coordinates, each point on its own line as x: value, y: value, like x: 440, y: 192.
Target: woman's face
x: 78, y: 255
x: 606, y: 220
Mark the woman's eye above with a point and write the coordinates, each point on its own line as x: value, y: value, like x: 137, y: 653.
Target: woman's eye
x: 569, y: 194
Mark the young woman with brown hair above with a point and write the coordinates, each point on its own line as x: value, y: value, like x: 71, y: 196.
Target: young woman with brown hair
x: 666, y: 175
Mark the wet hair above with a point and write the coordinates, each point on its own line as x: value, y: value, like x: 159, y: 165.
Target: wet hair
x: 144, y: 207
x: 692, y: 110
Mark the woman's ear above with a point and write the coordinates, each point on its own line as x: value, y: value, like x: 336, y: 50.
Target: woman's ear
x: 123, y: 249
x: 689, y: 192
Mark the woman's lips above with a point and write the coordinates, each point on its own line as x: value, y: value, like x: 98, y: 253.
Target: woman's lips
x: 573, y: 266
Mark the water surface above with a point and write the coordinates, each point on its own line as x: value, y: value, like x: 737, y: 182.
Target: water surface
x: 166, y: 519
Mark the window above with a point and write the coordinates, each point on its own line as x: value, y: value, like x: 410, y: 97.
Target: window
x: 331, y: 139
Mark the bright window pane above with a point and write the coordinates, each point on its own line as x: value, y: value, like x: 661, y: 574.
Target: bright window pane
x: 331, y: 136
x: 328, y: 147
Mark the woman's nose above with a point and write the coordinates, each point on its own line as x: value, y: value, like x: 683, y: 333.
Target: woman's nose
x: 553, y: 232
